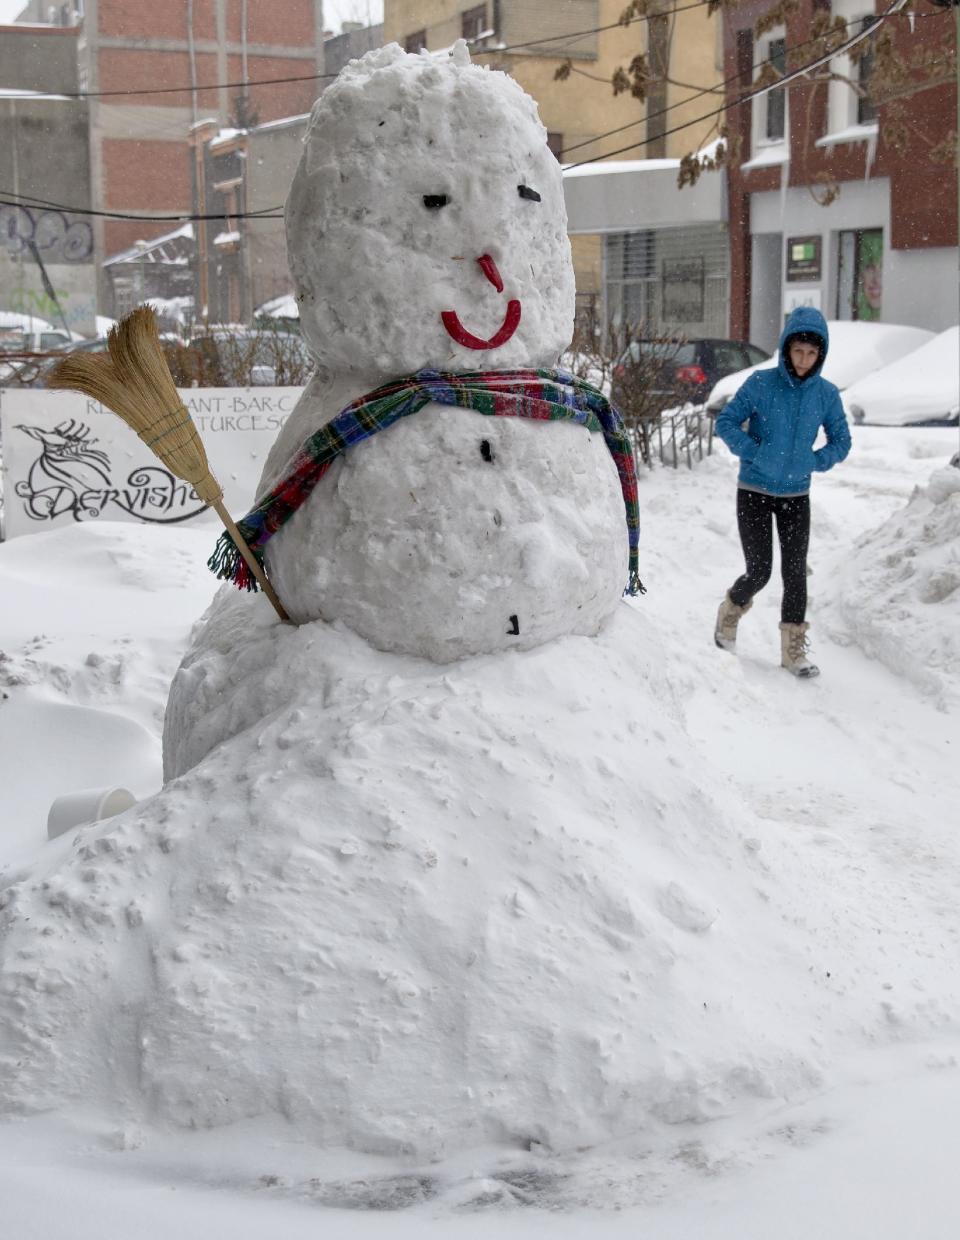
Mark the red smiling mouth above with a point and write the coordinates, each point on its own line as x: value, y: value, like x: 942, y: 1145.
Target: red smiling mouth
x: 511, y: 320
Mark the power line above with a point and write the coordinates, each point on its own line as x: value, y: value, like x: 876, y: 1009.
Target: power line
x: 267, y: 213
x: 316, y: 77
x: 271, y: 213
x: 756, y: 94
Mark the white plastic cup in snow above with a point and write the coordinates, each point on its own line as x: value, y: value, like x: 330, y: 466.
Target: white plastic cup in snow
x: 85, y: 806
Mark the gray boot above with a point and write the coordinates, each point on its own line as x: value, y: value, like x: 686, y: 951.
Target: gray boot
x: 728, y: 617
x: 793, y: 650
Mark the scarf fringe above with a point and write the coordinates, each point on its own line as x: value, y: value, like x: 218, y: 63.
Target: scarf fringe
x: 228, y: 564
x: 634, y: 586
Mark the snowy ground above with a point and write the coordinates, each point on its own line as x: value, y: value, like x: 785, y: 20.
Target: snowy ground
x: 853, y: 777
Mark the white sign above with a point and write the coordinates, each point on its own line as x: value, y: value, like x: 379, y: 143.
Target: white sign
x: 66, y: 458
x: 801, y: 295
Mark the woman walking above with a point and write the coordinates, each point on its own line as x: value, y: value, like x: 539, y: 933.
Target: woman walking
x: 771, y: 425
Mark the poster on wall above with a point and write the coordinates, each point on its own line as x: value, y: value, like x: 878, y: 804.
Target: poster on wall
x: 67, y: 459
x: 869, y: 292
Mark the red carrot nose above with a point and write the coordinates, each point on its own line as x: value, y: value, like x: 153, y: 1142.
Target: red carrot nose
x: 489, y: 269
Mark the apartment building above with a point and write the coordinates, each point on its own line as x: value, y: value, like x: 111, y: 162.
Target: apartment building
x: 824, y: 209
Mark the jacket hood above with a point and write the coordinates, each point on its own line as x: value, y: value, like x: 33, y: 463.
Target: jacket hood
x: 804, y: 319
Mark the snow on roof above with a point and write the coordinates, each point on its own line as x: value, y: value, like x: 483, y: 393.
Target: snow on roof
x: 283, y: 122
x: 603, y: 167
x: 227, y: 135
x: 33, y: 96
x: 283, y: 307
x: 136, y: 251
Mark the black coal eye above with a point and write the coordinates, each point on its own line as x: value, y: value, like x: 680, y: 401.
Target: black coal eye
x: 526, y: 192
x: 433, y: 202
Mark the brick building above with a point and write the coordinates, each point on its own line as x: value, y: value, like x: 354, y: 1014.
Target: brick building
x: 530, y: 39
x: 884, y: 246
x: 142, y: 149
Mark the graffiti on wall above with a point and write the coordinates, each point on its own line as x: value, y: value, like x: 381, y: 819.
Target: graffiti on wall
x: 58, y: 238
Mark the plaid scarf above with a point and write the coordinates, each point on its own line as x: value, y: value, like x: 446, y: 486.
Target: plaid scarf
x: 546, y: 395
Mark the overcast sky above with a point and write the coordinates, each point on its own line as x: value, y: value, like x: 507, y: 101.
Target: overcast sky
x: 334, y: 12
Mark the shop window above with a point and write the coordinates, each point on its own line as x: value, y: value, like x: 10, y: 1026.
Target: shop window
x: 860, y: 274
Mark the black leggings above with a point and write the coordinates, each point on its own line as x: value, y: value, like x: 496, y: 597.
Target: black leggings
x: 755, y: 514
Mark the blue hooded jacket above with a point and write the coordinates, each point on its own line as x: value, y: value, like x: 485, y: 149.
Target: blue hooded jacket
x: 783, y: 415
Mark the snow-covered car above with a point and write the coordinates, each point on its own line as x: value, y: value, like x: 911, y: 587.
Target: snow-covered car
x: 856, y: 350
x: 922, y: 388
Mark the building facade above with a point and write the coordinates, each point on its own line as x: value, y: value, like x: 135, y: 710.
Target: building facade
x: 158, y: 73
x: 824, y: 210
x: 46, y: 249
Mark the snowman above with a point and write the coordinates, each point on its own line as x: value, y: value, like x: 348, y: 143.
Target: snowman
x: 402, y: 904
x: 427, y: 232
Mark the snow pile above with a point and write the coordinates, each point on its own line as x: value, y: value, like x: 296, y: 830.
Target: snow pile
x: 411, y: 908
x: 898, y: 593
x: 922, y: 386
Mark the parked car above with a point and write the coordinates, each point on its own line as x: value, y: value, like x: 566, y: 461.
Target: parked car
x: 920, y: 389
x: 24, y: 340
x: 677, y: 372
x: 856, y: 349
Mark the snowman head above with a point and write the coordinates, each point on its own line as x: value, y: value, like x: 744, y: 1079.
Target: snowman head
x: 426, y: 225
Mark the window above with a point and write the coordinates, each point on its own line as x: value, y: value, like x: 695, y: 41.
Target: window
x: 847, y: 109
x: 776, y: 100
x: 866, y: 111
x: 415, y: 42
x: 555, y: 143
x: 473, y: 22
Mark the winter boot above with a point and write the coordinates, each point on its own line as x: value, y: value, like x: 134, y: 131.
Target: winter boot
x: 728, y: 617
x: 793, y: 650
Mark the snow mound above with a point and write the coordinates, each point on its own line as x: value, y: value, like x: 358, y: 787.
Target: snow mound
x: 412, y: 908
x: 898, y: 594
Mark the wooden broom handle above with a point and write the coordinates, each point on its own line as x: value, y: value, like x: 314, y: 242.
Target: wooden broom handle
x: 251, y: 561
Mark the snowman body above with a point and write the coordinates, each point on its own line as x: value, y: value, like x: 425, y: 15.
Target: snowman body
x: 426, y: 229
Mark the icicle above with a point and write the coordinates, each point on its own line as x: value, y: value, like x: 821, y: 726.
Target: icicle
x: 871, y: 155
x: 912, y: 19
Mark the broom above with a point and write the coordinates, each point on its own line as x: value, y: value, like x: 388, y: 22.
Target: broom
x: 133, y: 379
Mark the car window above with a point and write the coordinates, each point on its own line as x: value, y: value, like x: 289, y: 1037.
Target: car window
x: 728, y: 356
x: 50, y: 340
x: 755, y: 355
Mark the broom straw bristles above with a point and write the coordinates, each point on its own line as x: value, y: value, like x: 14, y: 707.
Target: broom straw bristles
x: 133, y: 379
